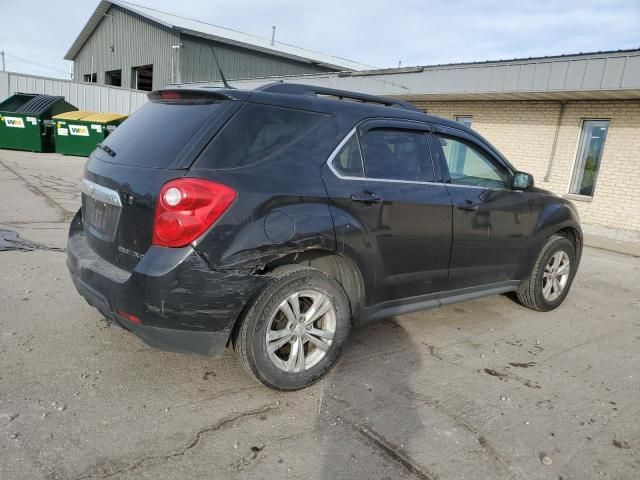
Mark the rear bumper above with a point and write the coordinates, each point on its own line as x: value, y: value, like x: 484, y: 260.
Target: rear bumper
x: 183, y: 304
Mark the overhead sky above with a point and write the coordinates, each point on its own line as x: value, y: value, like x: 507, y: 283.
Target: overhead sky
x: 375, y: 32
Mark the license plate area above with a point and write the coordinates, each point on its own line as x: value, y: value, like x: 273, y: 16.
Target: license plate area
x: 101, y: 209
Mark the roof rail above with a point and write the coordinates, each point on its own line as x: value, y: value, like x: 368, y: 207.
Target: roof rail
x: 299, y: 89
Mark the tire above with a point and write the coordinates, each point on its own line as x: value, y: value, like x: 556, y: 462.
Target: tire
x: 272, y: 311
x: 532, y: 293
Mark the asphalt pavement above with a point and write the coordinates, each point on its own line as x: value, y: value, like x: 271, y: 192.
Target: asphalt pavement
x: 480, y: 390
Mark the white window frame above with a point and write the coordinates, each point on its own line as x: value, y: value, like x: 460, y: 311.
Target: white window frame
x: 460, y: 118
x: 577, y: 173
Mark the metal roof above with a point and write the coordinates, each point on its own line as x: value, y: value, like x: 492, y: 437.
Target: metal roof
x: 213, y: 32
x: 597, y: 75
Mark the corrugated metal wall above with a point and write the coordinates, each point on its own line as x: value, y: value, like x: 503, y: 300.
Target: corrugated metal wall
x: 85, y: 96
x: 135, y: 40
x: 607, y: 75
x: 197, y: 63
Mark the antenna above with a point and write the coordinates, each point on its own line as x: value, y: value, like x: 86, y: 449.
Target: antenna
x: 215, y: 57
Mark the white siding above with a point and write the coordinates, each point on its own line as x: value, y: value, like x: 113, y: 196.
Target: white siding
x: 85, y: 96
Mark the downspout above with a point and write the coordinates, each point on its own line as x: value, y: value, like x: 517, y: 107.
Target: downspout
x: 555, y: 141
x: 178, y: 68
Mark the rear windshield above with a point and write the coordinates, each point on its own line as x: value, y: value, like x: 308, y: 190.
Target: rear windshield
x: 255, y: 132
x: 155, y: 134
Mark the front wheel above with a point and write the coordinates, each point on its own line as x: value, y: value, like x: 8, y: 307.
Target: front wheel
x: 552, y: 275
x: 295, y: 329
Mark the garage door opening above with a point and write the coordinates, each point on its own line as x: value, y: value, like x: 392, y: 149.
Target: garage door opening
x: 142, y: 77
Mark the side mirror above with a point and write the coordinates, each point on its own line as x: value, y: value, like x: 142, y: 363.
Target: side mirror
x: 522, y: 181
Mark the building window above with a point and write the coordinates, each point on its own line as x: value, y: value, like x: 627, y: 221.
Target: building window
x: 594, y: 134
x: 464, y: 120
x: 142, y: 77
x: 90, y: 78
x: 113, y: 77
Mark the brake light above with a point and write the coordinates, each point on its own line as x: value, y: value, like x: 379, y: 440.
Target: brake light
x: 170, y: 95
x: 186, y: 208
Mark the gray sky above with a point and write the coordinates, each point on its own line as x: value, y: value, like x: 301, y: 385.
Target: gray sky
x: 375, y: 32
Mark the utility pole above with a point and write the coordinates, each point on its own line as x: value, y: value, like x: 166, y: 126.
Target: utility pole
x: 2, y: 53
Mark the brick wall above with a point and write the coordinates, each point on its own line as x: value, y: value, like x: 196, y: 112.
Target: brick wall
x: 524, y: 131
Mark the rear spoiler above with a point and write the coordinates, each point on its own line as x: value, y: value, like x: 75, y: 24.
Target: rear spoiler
x: 195, y: 95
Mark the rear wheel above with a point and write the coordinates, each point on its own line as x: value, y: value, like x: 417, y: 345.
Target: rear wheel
x: 552, y: 275
x: 295, y: 329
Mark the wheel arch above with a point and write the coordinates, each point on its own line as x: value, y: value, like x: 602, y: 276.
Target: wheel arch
x: 340, y: 268
x: 568, y: 228
x: 574, y: 234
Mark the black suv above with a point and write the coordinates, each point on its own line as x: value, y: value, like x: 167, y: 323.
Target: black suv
x: 276, y: 218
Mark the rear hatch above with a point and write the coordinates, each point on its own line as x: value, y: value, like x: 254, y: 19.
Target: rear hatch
x: 123, y: 176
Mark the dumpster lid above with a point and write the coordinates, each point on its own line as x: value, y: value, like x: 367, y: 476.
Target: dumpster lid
x: 104, y: 117
x: 15, y: 101
x: 73, y: 115
x: 39, y: 104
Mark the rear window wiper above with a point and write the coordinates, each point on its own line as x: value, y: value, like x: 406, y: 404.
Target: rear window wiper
x: 107, y: 149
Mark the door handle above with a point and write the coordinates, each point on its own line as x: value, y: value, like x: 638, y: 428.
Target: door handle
x: 468, y: 206
x: 365, y: 197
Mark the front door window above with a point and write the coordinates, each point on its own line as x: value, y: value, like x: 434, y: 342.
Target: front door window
x: 469, y: 166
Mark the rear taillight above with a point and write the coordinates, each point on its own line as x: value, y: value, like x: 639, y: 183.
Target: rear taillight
x: 186, y: 208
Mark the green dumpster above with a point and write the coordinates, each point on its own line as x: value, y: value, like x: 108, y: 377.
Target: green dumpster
x: 78, y: 133
x: 25, y: 121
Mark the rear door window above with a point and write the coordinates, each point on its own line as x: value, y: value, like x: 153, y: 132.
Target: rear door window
x: 154, y: 135
x: 348, y: 162
x: 395, y: 154
x: 256, y: 132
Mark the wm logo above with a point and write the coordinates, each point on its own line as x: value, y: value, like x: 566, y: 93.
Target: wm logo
x: 79, y: 130
x: 14, y: 122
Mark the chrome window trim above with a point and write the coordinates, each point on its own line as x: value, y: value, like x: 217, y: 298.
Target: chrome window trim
x: 451, y: 184
x: 336, y: 150
x: 100, y: 193
x: 366, y: 179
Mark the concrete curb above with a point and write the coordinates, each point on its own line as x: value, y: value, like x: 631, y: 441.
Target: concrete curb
x: 605, y: 243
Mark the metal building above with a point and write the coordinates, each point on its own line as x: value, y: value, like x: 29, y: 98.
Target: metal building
x: 131, y: 46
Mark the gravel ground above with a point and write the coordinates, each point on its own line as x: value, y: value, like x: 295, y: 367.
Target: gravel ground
x: 484, y: 389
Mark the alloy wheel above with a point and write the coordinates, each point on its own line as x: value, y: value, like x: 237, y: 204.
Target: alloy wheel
x: 301, y: 330
x: 556, y: 275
